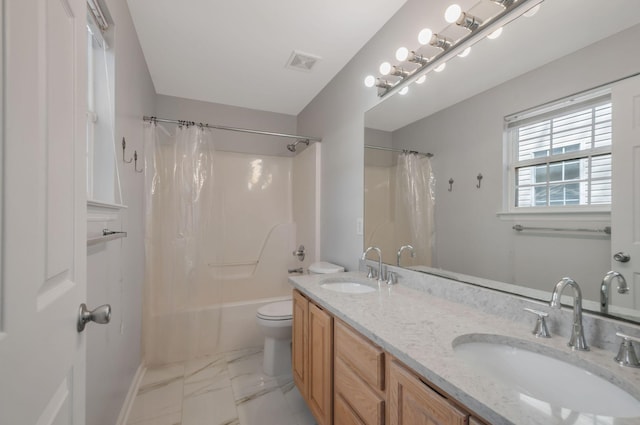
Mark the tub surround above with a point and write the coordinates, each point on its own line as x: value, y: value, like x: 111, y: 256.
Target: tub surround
x: 417, y: 320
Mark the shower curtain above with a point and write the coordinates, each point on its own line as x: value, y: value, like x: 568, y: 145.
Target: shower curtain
x: 180, y: 217
x: 415, y: 201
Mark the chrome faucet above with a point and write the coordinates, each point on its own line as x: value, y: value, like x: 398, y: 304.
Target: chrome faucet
x: 402, y: 248
x: 577, y: 341
x: 381, y: 274
x: 606, y: 284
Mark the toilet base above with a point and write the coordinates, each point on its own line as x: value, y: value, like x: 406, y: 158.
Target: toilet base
x: 277, y: 356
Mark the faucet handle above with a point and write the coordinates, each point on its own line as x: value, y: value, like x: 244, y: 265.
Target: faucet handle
x: 627, y: 354
x: 392, y: 278
x: 540, y: 330
x: 371, y: 272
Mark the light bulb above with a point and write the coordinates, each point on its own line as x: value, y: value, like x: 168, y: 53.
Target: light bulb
x: 441, y: 67
x: 404, y: 90
x: 465, y: 52
x: 422, y: 79
x: 402, y: 54
x: 529, y: 13
x: 452, y: 13
x: 370, y: 81
x: 424, y: 36
x: 385, y: 68
x: 495, y: 34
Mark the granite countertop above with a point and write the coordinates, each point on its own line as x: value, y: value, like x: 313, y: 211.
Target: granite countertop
x: 418, y: 329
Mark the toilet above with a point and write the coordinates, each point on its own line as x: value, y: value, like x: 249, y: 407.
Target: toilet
x: 275, y: 321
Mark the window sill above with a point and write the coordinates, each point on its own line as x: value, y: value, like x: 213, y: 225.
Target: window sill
x: 105, y: 205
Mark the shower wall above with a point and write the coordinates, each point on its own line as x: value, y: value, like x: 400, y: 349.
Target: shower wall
x: 384, y: 222
x: 250, y: 248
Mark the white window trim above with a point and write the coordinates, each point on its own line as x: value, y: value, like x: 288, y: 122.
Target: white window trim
x: 599, y: 213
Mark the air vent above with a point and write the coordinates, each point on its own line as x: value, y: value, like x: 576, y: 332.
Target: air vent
x: 302, y: 61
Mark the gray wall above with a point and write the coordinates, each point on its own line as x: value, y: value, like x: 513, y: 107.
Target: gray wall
x: 114, y: 351
x: 337, y: 115
x: 232, y: 116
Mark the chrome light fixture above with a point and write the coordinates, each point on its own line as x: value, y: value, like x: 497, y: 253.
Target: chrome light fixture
x: 504, y: 3
x: 479, y: 28
x: 403, y: 54
x: 440, y: 42
x: 454, y: 14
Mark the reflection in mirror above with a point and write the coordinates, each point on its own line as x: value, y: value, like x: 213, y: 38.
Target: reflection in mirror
x: 399, y: 195
x: 459, y: 116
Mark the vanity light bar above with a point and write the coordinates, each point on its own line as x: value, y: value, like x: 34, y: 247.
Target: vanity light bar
x: 510, y: 13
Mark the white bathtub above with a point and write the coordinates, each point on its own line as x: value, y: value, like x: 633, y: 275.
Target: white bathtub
x: 204, y: 331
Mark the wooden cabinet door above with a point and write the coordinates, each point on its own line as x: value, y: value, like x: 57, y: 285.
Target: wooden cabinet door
x: 300, y: 342
x: 414, y: 403
x: 320, y: 397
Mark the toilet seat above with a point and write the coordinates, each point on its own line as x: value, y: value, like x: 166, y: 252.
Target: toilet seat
x: 281, y: 310
x: 322, y: 267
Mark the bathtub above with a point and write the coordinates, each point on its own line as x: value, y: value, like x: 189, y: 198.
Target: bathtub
x: 204, y: 331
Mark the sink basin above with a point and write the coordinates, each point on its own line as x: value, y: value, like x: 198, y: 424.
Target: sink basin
x: 348, y: 287
x: 539, y: 377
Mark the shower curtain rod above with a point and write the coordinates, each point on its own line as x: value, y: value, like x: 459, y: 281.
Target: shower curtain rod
x: 428, y: 154
x: 240, y: 130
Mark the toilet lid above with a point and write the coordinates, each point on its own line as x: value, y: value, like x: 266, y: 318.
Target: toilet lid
x: 324, y: 267
x: 281, y: 310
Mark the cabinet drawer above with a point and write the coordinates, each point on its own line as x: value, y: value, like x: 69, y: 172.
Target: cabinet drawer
x: 362, y: 400
x: 363, y: 357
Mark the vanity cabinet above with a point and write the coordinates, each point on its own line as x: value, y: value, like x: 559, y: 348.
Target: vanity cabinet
x: 312, y: 360
x: 347, y: 380
x: 359, y: 384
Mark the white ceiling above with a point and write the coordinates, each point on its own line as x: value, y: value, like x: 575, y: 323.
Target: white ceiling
x: 235, y: 52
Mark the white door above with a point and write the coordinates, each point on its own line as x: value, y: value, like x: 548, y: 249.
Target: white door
x: 42, y: 356
x: 625, y: 211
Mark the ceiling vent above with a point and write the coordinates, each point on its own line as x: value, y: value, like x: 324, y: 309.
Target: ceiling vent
x: 302, y: 61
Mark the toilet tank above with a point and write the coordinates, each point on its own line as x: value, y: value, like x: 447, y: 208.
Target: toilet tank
x: 324, y: 267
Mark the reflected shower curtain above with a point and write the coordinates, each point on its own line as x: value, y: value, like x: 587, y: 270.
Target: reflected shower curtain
x: 180, y: 216
x: 415, y: 202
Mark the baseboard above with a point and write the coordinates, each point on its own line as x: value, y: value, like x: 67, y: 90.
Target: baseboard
x: 131, y: 395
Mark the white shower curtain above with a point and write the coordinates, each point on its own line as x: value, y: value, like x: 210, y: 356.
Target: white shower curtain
x: 415, y: 202
x: 180, y: 214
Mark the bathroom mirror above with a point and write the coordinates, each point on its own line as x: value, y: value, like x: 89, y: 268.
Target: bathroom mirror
x: 458, y: 115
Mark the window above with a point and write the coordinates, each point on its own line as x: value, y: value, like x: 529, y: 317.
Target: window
x: 561, y: 154
x: 103, y: 183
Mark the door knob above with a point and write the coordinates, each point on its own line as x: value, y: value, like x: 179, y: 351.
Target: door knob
x: 100, y: 315
x: 621, y: 257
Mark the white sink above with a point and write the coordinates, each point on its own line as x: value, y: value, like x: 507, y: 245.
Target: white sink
x: 540, y: 377
x: 347, y: 287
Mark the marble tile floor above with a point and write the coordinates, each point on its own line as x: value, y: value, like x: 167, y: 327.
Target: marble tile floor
x: 225, y: 389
